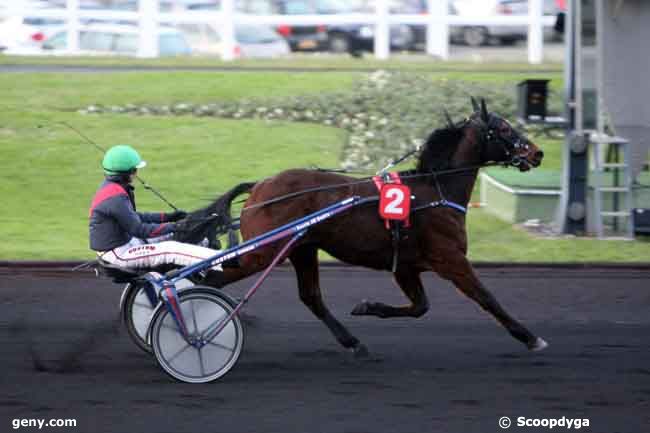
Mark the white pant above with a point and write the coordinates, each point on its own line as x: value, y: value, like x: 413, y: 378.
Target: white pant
x: 138, y: 254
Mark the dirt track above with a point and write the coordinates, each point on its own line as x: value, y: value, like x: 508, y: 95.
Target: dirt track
x: 454, y: 370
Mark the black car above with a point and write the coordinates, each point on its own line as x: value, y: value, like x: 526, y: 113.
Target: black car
x: 357, y: 38
x: 352, y: 38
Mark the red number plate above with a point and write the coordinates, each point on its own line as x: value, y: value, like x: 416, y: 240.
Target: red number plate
x: 395, y: 202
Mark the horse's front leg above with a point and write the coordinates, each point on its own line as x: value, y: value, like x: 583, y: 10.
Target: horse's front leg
x: 409, y: 281
x: 461, y: 273
x: 305, y: 262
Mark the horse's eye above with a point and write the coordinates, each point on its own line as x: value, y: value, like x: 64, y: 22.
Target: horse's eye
x: 504, y: 129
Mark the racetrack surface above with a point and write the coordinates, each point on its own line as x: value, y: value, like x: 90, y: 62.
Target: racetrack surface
x: 453, y: 370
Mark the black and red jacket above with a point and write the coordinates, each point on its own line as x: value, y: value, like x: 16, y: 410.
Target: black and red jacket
x: 114, y: 220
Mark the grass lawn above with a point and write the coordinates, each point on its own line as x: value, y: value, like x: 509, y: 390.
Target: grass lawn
x: 49, y: 174
x: 329, y: 62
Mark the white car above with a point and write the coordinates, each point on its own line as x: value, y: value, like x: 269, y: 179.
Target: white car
x: 117, y: 39
x: 482, y: 35
x: 251, y: 41
x: 19, y: 32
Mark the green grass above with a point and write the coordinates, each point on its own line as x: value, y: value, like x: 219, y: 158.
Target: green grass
x: 419, y: 63
x: 50, y: 93
x: 49, y: 174
x: 493, y: 240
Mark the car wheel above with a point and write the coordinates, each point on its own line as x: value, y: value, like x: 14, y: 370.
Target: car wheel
x: 475, y: 36
x: 339, y: 44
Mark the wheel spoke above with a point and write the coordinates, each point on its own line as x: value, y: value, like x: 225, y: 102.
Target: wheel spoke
x: 201, y: 362
x: 221, y: 346
x: 196, y: 328
x: 177, y: 354
x: 214, y: 325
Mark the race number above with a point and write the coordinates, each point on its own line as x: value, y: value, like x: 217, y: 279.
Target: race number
x: 394, y: 201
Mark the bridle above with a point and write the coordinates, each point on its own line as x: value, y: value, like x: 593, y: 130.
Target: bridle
x: 490, y: 137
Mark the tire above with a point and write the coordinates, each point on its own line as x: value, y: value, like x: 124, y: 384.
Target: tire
x: 201, y: 307
x: 475, y: 36
x: 339, y: 43
x: 136, y: 312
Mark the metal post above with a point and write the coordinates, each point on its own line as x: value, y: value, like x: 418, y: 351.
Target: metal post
x: 148, y: 25
x: 228, y: 30
x: 438, y: 29
x: 535, y: 33
x: 382, y: 37
x: 72, y: 42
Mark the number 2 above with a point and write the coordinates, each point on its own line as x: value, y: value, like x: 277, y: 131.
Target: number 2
x: 397, y: 198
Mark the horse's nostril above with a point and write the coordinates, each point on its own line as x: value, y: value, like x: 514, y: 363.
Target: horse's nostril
x: 539, y: 154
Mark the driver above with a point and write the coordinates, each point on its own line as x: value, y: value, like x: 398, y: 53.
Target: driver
x: 131, y: 239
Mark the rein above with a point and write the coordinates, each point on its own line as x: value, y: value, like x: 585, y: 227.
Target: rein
x: 433, y: 174
x: 489, y: 134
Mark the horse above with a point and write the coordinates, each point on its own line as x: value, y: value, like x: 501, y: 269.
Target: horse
x: 436, y: 240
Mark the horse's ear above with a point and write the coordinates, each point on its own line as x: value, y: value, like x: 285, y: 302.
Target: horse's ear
x: 474, y: 104
x: 484, y: 112
x: 450, y: 123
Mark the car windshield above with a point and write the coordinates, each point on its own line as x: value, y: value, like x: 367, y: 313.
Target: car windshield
x: 332, y: 6
x: 56, y: 42
x: 298, y: 7
x: 173, y: 44
x: 95, y: 41
x: 255, y: 34
x: 126, y: 43
x: 32, y: 21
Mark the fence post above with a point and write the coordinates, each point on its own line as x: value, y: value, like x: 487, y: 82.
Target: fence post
x: 382, y: 30
x: 438, y: 28
x: 228, y: 30
x: 72, y: 25
x: 535, y: 33
x: 148, y: 25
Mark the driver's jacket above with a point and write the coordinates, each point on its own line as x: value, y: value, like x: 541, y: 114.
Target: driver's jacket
x: 114, y: 220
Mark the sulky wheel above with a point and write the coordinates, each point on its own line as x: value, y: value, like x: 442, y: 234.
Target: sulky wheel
x: 202, y: 308
x: 136, y: 311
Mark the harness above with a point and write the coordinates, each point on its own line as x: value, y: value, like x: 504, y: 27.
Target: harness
x: 488, y: 127
x: 396, y: 226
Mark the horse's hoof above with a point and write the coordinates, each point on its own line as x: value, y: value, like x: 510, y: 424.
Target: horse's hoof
x: 538, y: 345
x: 361, y: 309
x: 360, y: 351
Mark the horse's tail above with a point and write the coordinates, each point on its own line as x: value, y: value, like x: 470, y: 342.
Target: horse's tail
x: 222, y: 207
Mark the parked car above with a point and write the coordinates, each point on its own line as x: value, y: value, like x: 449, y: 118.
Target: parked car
x: 23, y: 32
x: 356, y: 38
x: 482, y: 35
x: 403, y: 36
x: 117, y: 39
x: 251, y: 41
x: 299, y: 38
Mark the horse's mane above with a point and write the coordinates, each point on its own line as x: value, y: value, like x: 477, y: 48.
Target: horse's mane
x: 439, y: 148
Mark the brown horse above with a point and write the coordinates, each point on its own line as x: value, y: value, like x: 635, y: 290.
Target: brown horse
x: 436, y: 240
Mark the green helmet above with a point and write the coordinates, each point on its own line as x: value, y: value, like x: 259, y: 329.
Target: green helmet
x: 121, y: 159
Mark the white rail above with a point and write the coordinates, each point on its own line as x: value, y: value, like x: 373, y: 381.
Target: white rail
x: 437, y: 22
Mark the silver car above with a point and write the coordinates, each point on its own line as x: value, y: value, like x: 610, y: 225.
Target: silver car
x: 482, y: 35
x: 117, y: 39
x: 251, y: 41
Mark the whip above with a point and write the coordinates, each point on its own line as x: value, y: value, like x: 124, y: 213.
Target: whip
x: 145, y: 185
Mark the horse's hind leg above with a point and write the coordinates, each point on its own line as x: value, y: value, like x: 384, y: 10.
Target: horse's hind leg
x: 463, y: 276
x: 305, y: 262
x: 411, y: 284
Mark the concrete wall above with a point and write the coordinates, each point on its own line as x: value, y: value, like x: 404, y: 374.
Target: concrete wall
x: 625, y: 27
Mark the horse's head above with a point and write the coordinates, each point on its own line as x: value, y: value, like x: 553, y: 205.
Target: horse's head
x: 498, y: 141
